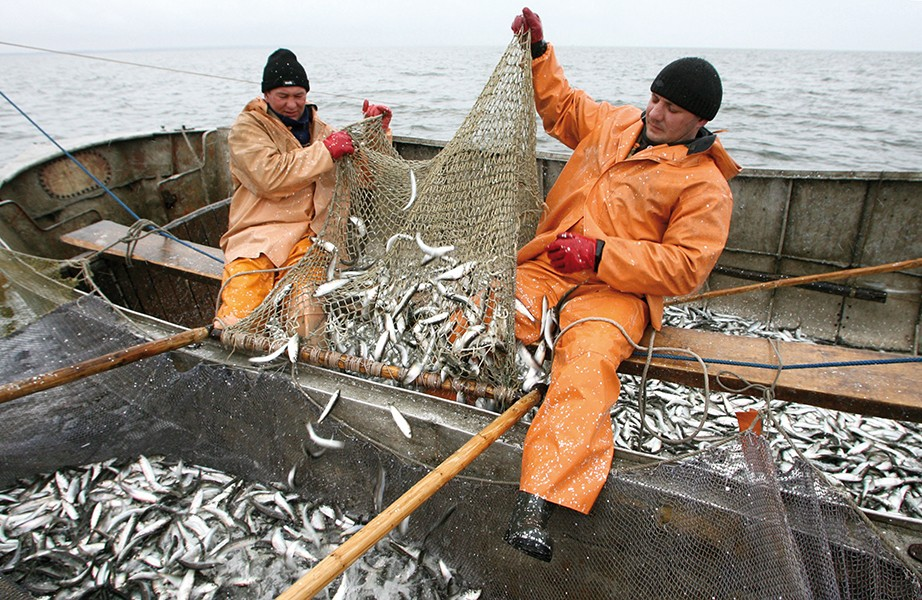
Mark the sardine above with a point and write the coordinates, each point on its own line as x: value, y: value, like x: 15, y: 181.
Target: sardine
x: 330, y: 286
x: 402, y: 423
x: 329, y: 406
x: 324, y: 442
x: 432, y: 252
x: 412, y: 191
x: 391, y: 240
x: 274, y: 354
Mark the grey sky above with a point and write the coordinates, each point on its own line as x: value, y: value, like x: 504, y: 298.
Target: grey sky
x: 88, y: 25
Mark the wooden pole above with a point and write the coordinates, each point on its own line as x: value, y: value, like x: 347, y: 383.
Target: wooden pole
x: 24, y: 387
x: 790, y: 281
x: 329, y: 359
x: 339, y: 560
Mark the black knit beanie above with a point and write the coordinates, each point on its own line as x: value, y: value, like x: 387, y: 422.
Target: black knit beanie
x: 283, y: 70
x: 693, y: 84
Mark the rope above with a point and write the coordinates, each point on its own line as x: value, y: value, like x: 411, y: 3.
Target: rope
x: 756, y: 365
x: 641, y: 391
x: 103, y: 186
x: 159, y: 68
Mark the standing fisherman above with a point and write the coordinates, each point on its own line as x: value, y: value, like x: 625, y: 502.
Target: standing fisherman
x: 640, y: 211
x: 282, y: 163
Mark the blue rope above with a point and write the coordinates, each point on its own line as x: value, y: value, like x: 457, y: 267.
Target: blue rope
x: 737, y: 363
x: 103, y: 186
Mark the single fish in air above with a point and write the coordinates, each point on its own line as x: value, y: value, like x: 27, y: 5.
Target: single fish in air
x: 401, y: 422
x: 333, y: 398
x: 391, y: 240
x: 412, y: 191
x: 432, y: 252
x: 324, y: 442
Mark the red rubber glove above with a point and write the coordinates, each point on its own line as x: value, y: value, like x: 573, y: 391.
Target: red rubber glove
x: 373, y: 110
x: 339, y: 143
x: 571, y: 252
x: 531, y: 21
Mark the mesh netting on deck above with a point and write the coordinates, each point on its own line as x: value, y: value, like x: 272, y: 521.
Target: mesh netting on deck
x: 723, y: 523
x: 415, y: 266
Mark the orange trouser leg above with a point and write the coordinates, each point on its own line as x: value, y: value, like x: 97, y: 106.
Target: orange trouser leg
x: 569, y: 448
x: 307, y: 311
x: 244, y: 289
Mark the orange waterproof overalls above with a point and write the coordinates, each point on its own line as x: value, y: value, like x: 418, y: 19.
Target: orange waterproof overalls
x: 281, y: 199
x: 664, y: 215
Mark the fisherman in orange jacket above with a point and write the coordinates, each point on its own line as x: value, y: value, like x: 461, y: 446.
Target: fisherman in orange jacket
x: 282, y: 164
x: 640, y: 211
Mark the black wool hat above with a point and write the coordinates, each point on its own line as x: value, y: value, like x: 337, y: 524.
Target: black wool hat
x: 693, y: 84
x: 283, y: 70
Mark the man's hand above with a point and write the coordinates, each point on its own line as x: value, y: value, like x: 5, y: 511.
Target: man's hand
x: 530, y: 21
x: 339, y: 143
x: 373, y: 110
x: 571, y: 252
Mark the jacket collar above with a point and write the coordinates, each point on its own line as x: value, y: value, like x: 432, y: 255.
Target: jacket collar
x: 705, y: 142
x: 261, y: 107
x: 301, y: 127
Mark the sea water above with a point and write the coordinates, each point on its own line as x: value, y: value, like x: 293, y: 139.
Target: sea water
x: 803, y: 110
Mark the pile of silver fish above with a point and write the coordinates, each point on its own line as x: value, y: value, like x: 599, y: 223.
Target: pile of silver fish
x: 878, y: 461
x: 434, y: 314
x: 151, y: 529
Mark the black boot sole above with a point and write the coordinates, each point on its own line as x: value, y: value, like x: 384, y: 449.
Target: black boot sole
x: 528, y: 543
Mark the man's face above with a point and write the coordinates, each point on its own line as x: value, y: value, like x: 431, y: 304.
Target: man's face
x: 287, y: 101
x: 668, y: 123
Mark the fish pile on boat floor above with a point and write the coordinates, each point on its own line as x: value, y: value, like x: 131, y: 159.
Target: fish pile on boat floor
x: 878, y: 461
x: 150, y: 529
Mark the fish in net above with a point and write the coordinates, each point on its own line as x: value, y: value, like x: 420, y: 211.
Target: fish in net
x: 415, y: 265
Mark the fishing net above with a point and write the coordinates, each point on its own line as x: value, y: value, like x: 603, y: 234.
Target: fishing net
x: 723, y: 523
x: 30, y: 286
x: 415, y: 266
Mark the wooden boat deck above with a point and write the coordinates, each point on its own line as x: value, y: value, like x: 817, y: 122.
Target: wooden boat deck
x: 847, y: 379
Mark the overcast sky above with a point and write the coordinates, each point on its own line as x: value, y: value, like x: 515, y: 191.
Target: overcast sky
x: 88, y: 25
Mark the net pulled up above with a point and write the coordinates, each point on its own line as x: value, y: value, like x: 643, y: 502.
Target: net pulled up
x: 415, y: 266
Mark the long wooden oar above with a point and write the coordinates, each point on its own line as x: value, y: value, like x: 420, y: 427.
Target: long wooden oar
x: 789, y: 281
x: 339, y: 560
x: 37, y: 383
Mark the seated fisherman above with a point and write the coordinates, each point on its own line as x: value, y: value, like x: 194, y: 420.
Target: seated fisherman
x: 640, y: 211
x: 282, y: 164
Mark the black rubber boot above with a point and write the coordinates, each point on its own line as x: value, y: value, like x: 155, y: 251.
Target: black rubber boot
x: 527, y: 530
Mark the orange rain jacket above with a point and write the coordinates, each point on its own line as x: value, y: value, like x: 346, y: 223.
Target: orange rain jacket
x: 664, y: 215
x: 282, y: 190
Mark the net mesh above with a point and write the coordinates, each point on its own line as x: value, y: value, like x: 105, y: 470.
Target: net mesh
x: 723, y: 523
x: 30, y: 286
x: 415, y: 266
